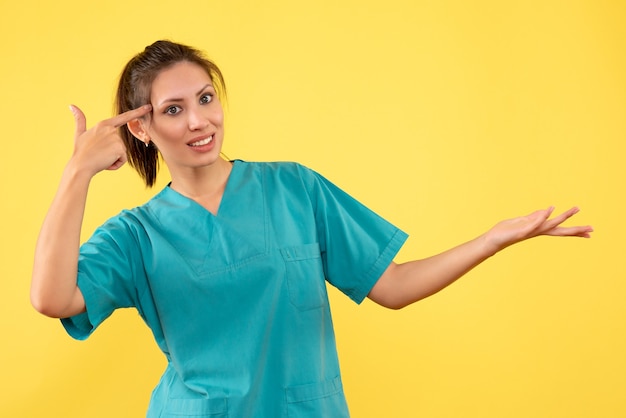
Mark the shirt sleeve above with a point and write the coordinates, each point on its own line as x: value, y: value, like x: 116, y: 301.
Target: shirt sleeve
x: 107, y: 268
x: 356, y: 244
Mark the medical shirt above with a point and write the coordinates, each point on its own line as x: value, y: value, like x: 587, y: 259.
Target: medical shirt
x: 237, y: 301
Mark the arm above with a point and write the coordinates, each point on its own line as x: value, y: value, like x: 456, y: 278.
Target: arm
x: 403, y: 284
x: 54, y: 291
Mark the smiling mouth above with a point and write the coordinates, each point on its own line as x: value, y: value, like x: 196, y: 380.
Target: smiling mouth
x: 201, y: 142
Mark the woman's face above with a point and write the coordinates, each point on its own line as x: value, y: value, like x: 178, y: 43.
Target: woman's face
x: 187, y: 123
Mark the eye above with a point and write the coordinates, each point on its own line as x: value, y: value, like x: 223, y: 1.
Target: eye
x: 172, y: 110
x: 206, y: 98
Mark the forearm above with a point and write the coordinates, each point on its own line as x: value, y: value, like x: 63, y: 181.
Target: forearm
x: 406, y: 283
x: 53, y: 289
x: 403, y: 284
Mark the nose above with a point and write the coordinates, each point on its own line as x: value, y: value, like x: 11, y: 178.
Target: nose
x: 196, y: 119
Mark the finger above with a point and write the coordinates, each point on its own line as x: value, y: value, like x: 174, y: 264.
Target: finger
x: 123, y: 118
x: 571, y: 231
x: 117, y: 164
x: 542, y: 214
x: 538, y: 218
x: 558, y: 220
x: 79, y: 119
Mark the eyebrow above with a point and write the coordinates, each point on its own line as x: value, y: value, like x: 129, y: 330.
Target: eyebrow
x: 176, y: 99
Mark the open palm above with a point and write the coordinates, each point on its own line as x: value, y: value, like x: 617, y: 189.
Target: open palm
x: 514, y: 230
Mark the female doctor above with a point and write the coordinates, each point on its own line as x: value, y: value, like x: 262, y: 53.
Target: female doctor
x: 227, y: 264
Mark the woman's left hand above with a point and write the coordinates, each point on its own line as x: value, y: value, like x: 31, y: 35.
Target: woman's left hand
x: 405, y: 283
x: 514, y: 230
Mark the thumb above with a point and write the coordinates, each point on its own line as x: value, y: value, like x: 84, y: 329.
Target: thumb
x: 79, y: 118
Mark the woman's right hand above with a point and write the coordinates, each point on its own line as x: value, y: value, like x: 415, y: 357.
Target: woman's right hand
x: 101, y: 147
x: 54, y: 290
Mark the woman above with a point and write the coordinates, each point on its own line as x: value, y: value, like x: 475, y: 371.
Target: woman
x: 227, y: 264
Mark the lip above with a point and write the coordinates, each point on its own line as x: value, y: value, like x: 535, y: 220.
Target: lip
x: 202, y: 149
x: 201, y: 138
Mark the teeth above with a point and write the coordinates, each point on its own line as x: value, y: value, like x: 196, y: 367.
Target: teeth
x: 202, y: 142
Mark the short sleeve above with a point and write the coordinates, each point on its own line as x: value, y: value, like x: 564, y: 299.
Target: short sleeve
x: 106, y: 276
x: 357, y: 245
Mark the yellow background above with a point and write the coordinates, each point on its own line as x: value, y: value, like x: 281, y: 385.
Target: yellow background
x: 443, y: 116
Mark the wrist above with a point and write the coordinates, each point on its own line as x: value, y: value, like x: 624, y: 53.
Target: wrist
x: 488, y: 247
x: 75, y: 175
x: 77, y: 172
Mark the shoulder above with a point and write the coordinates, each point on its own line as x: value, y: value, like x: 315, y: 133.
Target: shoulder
x: 118, y: 229
x: 286, y: 166
x: 281, y: 171
x: 133, y: 220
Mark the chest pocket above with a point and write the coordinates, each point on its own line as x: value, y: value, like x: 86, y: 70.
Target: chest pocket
x: 305, y: 276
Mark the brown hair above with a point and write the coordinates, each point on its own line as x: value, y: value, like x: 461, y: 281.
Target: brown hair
x: 134, y: 90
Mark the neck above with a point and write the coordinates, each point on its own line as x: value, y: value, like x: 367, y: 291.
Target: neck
x: 205, y: 183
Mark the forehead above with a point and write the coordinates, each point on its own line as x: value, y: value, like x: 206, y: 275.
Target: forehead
x: 180, y: 78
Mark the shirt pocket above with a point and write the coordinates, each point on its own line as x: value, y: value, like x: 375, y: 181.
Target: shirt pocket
x: 198, y: 408
x: 314, y: 400
x: 305, y: 276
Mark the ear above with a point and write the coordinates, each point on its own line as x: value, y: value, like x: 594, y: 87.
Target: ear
x: 136, y: 128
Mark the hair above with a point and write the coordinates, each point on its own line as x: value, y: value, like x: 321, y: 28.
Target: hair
x: 134, y: 90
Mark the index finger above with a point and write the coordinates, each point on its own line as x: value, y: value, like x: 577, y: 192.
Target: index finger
x: 558, y: 220
x: 123, y: 118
